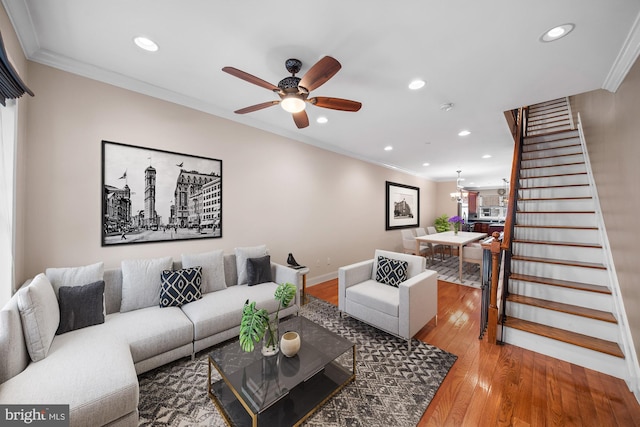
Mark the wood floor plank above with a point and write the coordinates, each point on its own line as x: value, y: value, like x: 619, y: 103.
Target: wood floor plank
x: 492, y: 385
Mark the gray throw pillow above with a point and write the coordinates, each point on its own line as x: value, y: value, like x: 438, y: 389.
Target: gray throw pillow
x: 75, y: 276
x: 244, y: 253
x: 212, y: 264
x: 258, y: 270
x: 40, y: 316
x: 141, y: 282
x: 80, y: 306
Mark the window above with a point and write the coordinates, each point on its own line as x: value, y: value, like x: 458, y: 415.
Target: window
x: 8, y: 125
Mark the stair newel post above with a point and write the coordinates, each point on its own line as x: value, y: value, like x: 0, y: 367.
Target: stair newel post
x: 493, y: 301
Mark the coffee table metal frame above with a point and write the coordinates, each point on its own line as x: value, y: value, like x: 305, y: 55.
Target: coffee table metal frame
x: 324, y: 370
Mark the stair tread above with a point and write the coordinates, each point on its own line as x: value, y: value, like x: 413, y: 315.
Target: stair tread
x: 561, y: 283
x: 553, y: 175
x: 538, y: 199
x: 590, y: 313
x: 585, y: 341
x: 553, y: 166
x: 554, y: 156
x: 552, y: 133
x: 558, y: 243
x: 550, y: 148
x: 542, y: 187
x: 555, y: 212
x: 559, y: 262
x: 551, y: 140
x: 562, y: 227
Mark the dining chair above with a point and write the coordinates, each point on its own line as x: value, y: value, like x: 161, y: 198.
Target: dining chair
x: 437, y: 246
x: 409, y: 244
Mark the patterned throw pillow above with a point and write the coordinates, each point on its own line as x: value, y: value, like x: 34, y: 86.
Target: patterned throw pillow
x: 391, y: 271
x: 180, y: 286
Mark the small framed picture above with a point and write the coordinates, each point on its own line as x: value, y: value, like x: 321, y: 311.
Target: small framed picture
x: 402, y: 209
x: 152, y: 195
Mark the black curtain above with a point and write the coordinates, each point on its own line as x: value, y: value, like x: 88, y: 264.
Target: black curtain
x: 11, y: 86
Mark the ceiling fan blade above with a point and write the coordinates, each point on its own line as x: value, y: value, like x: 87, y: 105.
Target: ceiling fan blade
x: 256, y: 107
x: 250, y: 78
x: 301, y: 119
x: 319, y: 73
x: 335, y: 103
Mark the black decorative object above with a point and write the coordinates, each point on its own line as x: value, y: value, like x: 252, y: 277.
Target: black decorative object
x: 152, y: 195
x: 402, y: 207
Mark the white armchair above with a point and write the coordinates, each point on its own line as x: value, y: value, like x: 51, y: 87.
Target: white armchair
x: 401, y: 310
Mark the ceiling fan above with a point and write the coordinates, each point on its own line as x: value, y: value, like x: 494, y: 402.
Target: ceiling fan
x: 294, y: 91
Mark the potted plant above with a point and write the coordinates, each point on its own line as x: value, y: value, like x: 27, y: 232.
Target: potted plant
x: 441, y: 223
x: 457, y: 222
x: 256, y: 324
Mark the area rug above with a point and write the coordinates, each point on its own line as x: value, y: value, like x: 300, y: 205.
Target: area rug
x: 449, y: 271
x: 393, y: 386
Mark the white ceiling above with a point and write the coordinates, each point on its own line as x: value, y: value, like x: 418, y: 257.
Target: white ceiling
x: 483, y: 56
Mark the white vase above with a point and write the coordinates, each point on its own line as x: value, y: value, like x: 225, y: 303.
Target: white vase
x: 270, y: 339
x: 290, y: 344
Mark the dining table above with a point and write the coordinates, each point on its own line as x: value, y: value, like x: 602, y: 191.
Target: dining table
x: 450, y: 238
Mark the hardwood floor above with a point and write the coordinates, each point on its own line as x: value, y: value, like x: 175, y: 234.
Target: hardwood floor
x: 491, y: 385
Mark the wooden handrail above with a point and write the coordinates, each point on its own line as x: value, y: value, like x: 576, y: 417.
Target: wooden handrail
x: 505, y: 245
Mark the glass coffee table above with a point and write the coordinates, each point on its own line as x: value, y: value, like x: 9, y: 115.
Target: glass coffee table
x: 256, y: 390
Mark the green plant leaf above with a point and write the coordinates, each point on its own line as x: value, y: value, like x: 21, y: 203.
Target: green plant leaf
x: 285, y: 293
x: 252, y: 325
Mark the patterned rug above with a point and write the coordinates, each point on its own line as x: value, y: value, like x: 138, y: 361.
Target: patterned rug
x: 393, y: 387
x: 449, y: 271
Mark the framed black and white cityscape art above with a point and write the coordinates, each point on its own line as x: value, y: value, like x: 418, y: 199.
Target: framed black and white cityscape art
x: 152, y: 195
x: 402, y: 209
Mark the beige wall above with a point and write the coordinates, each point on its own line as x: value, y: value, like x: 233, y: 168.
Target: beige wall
x: 610, y: 123
x: 294, y: 197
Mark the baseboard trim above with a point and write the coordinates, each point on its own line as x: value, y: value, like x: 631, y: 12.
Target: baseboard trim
x: 312, y: 281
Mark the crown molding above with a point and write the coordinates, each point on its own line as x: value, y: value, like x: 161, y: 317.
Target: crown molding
x: 626, y: 58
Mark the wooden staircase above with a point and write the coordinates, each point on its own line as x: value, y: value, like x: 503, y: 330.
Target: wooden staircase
x: 560, y: 301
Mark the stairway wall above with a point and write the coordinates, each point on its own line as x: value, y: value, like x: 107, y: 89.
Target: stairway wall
x: 612, y: 133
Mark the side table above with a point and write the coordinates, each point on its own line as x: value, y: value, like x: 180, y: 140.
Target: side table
x: 304, y: 299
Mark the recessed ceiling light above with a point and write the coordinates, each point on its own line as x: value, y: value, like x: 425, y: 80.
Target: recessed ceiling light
x: 464, y: 133
x: 486, y: 156
x: 446, y: 107
x: 388, y: 148
x: 146, y: 43
x: 322, y: 119
x: 425, y: 164
x: 416, y: 84
x: 556, y: 33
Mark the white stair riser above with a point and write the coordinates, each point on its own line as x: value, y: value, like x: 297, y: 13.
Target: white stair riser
x: 597, y: 361
x: 559, y: 104
x: 553, y: 170
x: 594, y: 300
x: 541, y: 130
x: 569, y: 322
x: 555, y: 192
x: 547, y: 120
x: 547, y: 104
x: 566, y: 253
x: 554, y: 181
x: 561, y: 151
x: 570, y: 273
x: 567, y: 220
x: 557, y: 235
x: 553, y: 161
x: 559, y: 205
x: 544, y: 138
x: 551, y: 111
x: 549, y: 145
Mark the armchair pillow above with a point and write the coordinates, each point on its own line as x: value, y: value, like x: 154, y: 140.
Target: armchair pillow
x: 258, y: 270
x: 40, y: 316
x: 390, y: 271
x: 81, y: 306
x: 180, y: 287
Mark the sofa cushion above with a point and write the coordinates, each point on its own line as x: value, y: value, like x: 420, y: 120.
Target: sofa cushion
x: 75, y: 276
x: 222, y: 310
x: 89, y: 369
x: 244, y: 253
x: 80, y: 306
x: 212, y: 264
x: 180, y: 287
x: 391, y: 271
x: 40, y: 316
x: 375, y: 295
x: 151, y: 331
x: 259, y: 270
x: 14, y: 356
x: 141, y: 282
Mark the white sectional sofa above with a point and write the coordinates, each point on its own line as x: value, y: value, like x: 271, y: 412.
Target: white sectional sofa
x: 94, y: 369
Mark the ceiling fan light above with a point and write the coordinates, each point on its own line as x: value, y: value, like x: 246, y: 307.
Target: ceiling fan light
x: 292, y: 104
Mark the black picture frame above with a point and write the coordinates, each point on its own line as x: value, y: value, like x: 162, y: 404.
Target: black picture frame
x: 402, y: 207
x: 165, y: 196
